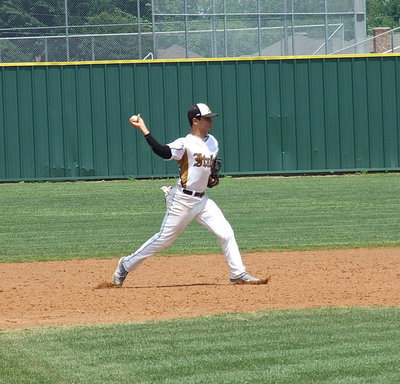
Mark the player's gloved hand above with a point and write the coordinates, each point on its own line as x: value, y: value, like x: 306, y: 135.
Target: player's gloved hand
x: 213, y: 180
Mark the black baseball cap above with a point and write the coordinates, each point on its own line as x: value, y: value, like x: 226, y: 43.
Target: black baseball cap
x: 200, y: 110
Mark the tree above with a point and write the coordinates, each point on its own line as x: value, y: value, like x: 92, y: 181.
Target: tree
x: 117, y: 18
x: 12, y: 15
x: 46, y: 12
x: 383, y: 13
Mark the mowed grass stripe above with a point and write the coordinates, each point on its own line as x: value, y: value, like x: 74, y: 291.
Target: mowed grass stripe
x: 326, y: 345
x: 42, y: 221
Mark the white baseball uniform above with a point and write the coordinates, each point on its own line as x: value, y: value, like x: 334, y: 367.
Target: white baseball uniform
x: 187, y: 202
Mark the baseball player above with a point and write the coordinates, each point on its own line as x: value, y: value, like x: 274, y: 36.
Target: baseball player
x: 198, y: 169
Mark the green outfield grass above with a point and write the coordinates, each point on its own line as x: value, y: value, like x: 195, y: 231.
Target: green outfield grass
x: 332, y: 346
x: 48, y: 221
x: 66, y: 220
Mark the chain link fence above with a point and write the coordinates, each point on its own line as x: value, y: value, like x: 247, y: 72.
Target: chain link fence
x: 93, y: 30
x: 385, y: 40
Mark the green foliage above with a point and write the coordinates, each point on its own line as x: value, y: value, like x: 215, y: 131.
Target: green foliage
x: 47, y: 12
x: 51, y: 13
x: 11, y: 52
x: 13, y: 14
x: 107, y: 219
x: 383, y: 13
x: 120, y: 16
x: 116, y: 17
x: 335, y: 345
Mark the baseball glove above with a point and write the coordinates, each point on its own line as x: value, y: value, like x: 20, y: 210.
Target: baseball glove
x: 213, y: 180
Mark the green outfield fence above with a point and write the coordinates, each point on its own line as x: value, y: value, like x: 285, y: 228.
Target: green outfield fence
x: 282, y: 115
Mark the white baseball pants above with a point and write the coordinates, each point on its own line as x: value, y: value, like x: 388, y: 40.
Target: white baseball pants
x: 181, y: 210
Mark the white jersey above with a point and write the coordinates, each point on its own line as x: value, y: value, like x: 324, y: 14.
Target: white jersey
x: 195, y: 157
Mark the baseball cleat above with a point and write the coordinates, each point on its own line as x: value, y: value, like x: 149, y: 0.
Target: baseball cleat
x: 245, y: 278
x: 119, y: 274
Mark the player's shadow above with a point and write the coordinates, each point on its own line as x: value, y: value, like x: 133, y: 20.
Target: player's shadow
x: 176, y: 285
x: 259, y: 282
x: 106, y: 285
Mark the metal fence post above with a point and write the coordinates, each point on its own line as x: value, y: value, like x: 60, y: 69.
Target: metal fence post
x: 359, y: 24
x: 186, y: 30
x: 285, y: 29
x: 292, y: 21
x: 93, y: 56
x: 391, y: 42
x: 66, y: 27
x: 46, y: 51
x: 326, y: 28
x: 225, y: 33
x: 153, y: 22
x: 214, y: 31
x: 139, y: 29
x: 259, y: 27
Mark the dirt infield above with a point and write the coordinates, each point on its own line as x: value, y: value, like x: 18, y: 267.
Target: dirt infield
x: 78, y: 292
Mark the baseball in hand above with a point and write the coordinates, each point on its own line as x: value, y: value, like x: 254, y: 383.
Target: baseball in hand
x: 135, y: 118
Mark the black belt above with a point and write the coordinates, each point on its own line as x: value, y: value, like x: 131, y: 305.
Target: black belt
x: 193, y: 193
